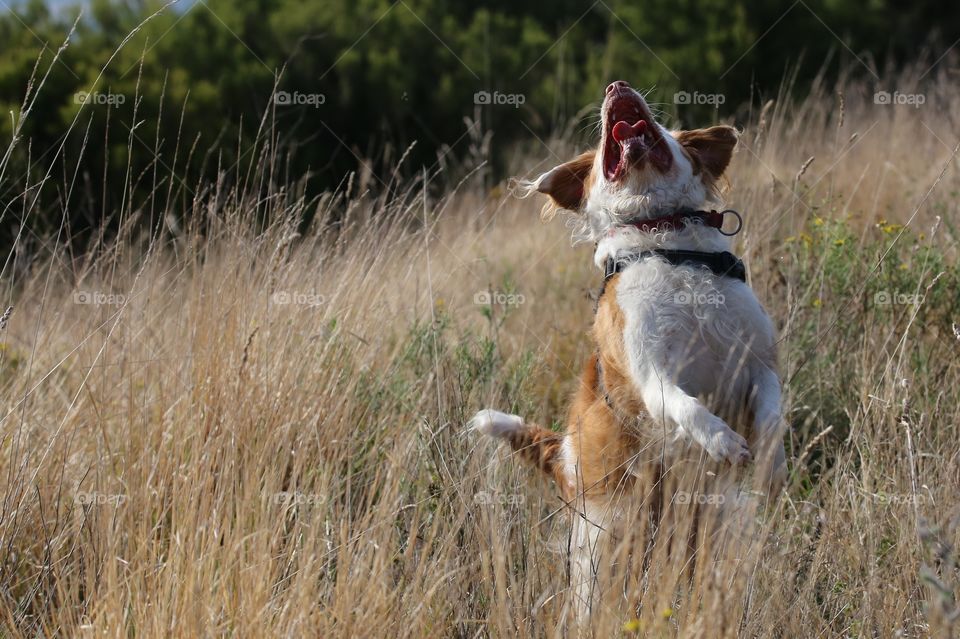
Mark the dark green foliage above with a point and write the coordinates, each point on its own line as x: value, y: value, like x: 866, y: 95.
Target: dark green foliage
x: 390, y: 74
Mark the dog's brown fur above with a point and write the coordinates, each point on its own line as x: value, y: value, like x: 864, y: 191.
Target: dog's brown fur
x: 600, y: 418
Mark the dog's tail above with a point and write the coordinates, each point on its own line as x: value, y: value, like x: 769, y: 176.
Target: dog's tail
x: 539, y: 446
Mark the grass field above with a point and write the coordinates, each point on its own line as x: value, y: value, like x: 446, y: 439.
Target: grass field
x: 236, y: 429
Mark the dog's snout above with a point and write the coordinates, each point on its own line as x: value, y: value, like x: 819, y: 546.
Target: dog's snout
x: 619, y: 85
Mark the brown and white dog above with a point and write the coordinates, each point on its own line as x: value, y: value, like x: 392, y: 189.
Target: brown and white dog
x: 686, y: 355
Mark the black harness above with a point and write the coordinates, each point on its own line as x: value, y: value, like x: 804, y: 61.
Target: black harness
x: 724, y: 264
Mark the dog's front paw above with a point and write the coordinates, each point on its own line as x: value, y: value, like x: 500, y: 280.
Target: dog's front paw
x: 724, y: 444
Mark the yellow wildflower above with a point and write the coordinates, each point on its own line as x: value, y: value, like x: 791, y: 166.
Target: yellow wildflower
x: 889, y: 227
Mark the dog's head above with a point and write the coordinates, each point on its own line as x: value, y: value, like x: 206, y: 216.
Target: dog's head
x: 640, y: 170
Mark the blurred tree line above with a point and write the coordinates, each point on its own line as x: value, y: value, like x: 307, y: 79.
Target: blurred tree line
x: 362, y: 79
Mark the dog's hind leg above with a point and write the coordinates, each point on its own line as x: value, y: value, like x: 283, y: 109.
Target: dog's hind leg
x: 768, y: 429
x: 590, y: 520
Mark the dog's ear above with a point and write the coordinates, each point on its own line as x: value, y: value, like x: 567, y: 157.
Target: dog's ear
x: 567, y: 184
x: 709, y: 149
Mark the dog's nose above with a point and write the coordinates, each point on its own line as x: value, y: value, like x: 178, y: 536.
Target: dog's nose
x: 617, y: 86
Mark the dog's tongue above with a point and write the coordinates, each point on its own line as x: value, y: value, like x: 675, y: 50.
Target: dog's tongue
x: 623, y: 131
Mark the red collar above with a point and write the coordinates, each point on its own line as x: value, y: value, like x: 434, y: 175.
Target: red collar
x: 677, y: 221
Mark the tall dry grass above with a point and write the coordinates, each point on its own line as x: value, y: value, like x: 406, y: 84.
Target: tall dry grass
x: 238, y: 430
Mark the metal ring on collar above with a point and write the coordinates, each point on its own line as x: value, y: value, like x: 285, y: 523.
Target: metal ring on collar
x: 739, y: 222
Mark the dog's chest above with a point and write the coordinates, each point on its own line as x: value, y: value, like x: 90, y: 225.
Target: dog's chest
x: 698, y: 328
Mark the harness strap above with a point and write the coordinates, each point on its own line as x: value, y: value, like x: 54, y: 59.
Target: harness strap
x: 724, y: 264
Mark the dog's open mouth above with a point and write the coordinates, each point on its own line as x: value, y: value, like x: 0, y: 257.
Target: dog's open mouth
x: 630, y: 136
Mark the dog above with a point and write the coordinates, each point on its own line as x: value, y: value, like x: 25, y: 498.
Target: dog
x: 686, y: 354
